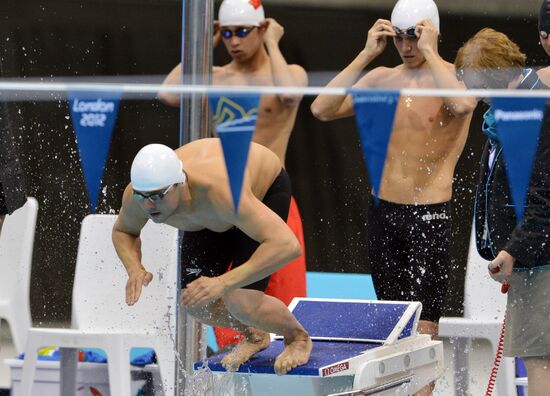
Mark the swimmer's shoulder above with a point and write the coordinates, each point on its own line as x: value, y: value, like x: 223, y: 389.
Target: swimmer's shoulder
x: 377, y: 76
x: 199, y: 148
x: 299, y: 74
x: 223, y: 73
x: 264, y: 155
x: 544, y: 75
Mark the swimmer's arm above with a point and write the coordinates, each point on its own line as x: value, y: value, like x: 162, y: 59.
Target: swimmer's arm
x: 445, y: 78
x: 127, y: 243
x: 332, y: 107
x: 173, y: 78
x: 442, y: 72
x: 284, y: 75
x: 278, y: 245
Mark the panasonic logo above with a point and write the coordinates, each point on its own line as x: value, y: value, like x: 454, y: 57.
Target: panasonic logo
x: 527, y: 115
x: 435, y: 216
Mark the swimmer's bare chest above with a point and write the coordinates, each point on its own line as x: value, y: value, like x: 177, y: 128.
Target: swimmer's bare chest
x: 272, y: 113
x: 424, y: 128
x: 206, y: 217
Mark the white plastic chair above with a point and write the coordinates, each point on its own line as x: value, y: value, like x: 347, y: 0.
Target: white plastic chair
x: 484, y: 308
x: 16, y: 246
x: 101, y: 318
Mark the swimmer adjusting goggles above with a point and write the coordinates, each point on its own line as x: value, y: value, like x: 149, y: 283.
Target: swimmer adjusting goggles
x: 409, y: 32
x: 241, y: 32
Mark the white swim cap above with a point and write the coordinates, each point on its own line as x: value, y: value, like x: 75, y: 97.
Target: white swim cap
x: 241, y: 13
x: 156, y: 166
x: 407, y: 13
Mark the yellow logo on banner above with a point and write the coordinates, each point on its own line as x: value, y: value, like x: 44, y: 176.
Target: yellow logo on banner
x: 228, y: 110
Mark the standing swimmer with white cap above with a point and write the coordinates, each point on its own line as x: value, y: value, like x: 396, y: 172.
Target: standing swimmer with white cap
x: 408, y: 231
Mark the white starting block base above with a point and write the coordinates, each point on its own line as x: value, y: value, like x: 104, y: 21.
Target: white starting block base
x: 396, y: 370
x: 47, y: 378
x: 359, y: 348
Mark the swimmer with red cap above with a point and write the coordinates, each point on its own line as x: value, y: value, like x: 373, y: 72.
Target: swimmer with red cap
x: 252, y: 41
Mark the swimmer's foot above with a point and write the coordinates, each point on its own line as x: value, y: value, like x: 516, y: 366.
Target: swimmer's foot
x: 254, y: 341
x: 296, y: 353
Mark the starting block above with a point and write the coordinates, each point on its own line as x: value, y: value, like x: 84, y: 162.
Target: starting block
x: 360, y: 347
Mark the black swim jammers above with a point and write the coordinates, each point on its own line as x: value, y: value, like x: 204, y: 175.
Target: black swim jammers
x: 409, y: 253
x: 209, y: 253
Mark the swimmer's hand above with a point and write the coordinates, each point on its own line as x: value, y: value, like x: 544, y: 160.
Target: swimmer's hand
x: 136, y: 280
x: 377, y: 37
x: 505, y: 262
x: 427, y: 36
x: 202, y: 291
x: 274, y: 31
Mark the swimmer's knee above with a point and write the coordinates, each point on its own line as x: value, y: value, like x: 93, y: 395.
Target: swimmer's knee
x: 427, y: 327
x: 537, y: 363
x: 243, y: 303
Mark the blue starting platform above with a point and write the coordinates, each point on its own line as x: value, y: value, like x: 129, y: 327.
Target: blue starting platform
x: 360, y: 347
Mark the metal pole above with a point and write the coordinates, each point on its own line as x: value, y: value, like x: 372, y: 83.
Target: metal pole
x: 197, y: 37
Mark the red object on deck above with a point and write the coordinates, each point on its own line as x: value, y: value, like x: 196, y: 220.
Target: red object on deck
x: 285, y: 284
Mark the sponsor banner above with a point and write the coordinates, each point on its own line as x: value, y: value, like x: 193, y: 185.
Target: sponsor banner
x: 374, y: 114
x: 93, y: 116
x: 336, y: 368
x: 518, y: 122
x: 235, y: 119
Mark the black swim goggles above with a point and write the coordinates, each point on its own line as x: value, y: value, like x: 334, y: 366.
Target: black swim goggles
x: 155, y: 197
x: 409, y: 32
x: 241, y: 32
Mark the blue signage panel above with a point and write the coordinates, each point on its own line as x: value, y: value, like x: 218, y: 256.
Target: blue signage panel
x: 374, y: 114
x: 235, y: 118
x: 93, y: 116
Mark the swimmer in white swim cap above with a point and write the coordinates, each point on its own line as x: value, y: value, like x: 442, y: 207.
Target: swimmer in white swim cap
x: 407, y: 13
x: 156, y: 166
x: 241, y: 13
x: 156, y: 171
x: 253, y: 241
x: 427, y: 138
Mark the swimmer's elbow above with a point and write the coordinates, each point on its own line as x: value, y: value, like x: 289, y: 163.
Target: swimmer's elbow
x: 319, y: 112
x: 464, y: 108
x: 294, y: 248
x: 168, y: 98
x: 290, y: 100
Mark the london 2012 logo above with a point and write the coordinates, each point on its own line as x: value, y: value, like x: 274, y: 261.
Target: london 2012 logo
x: 255, y: 3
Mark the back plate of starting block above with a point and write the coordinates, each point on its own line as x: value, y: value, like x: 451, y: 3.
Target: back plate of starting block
x: 356, y: 320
